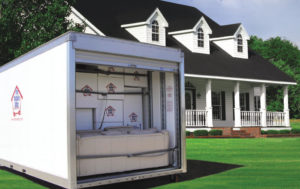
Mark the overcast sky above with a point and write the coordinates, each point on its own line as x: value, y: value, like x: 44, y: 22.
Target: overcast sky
x: 263, y: 18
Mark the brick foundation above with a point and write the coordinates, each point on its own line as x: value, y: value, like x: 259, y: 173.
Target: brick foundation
x: 243, y: 132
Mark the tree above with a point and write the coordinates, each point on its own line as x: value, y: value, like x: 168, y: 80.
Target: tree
x: 285, y: 56
x: 26, y: 24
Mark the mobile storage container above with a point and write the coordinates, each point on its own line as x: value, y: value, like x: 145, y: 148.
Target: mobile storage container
x: 85, y: 110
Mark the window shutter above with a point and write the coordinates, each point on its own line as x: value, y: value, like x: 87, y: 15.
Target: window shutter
x: 247, y: 102
x: 194, y: 99
x: 223, y: 105
x: 233, y: 104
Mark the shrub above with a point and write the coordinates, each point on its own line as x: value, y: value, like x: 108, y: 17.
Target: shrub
x: 200, y: 133
x: 295, y: 131
x: 215, y: 132
x: 263, y: 132
x: 272, y: 132
x: 187, y: 133
x: 284, y: 131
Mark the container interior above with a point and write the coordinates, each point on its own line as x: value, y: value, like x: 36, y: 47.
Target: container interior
x: 127, y: 120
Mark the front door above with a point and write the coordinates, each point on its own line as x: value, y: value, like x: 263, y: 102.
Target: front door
x: 190, y: 99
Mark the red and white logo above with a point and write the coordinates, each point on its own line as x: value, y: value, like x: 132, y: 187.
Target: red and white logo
x: 133, y: 117
x: 111, y: 88
x: 87, y: 90
x: 16, y: 101
x: 110, y: 111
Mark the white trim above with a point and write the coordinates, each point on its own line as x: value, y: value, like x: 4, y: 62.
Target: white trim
x: 194, y: 29
x: 181, y: 32
x: 241, y: 27
x: 238, y: 31
x: 222, y: 38
x: 86, y: 21
x: 202, y: 19
x: 240, y: 79
x: 157, y: 11
x: 133, y: 24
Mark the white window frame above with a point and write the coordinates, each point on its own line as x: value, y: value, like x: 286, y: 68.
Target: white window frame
x: 240, y: 47
x: 200, y: 38
x: 217, y: 115
x: 155, y: 31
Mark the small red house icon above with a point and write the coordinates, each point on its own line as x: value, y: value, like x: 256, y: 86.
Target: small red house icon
x: 110, y: 111
x: 87, y: 90
x: 133, y: 117
x: 111, y: 88
x: 16, y: 101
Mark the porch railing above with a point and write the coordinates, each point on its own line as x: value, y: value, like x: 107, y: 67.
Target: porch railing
x: 275, y: 119
x: 251, y: 118
x: 196, y: 118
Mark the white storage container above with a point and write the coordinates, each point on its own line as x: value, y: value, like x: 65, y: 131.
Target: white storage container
x: 80, y: 83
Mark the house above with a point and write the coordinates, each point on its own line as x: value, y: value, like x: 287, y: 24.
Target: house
x: 225, y: 81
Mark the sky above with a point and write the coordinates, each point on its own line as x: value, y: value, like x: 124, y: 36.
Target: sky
x: 263, y: 18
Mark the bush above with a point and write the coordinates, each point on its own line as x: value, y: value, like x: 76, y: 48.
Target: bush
x: 187, y: 133
x: 215, y: 132
x: 295, y: 131
x: 272, y: 132
x: 263, y: 132
x: 200, y: 133
x: 284, y: 131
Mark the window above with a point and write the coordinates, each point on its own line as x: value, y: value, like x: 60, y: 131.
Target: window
x: 239, y: 43
x: 155, y: 31
x: 200, y: 37
x: 218, y: 103
x: 244, y: 101
x: 190, y: 96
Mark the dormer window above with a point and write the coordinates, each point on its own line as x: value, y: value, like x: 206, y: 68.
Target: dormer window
x: 200, y: 37
x: 239, y: 43
x: 155, y: 31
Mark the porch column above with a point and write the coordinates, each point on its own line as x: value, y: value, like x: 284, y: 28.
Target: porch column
x: 237, y: 108
x: 263, y: 106
x: 209, y: 104
x: 286, y: 106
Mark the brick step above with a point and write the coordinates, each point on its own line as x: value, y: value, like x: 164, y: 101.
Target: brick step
x: 239, y: 131
x: 241, y: 135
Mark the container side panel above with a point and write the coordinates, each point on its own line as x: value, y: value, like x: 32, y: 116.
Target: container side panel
x: 171, y: 108
x: 33, y: 113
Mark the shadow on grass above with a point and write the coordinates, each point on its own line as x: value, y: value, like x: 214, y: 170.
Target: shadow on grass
x: 195, y: 169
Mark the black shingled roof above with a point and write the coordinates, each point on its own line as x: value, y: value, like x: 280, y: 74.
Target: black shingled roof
x: 226, y: 30
x: 109, y: 15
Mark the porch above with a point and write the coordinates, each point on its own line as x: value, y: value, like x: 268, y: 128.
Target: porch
x: 238, y: 104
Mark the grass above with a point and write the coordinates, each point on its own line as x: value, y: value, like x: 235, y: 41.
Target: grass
x: 11, y: 181
x: 295, y: 123
x: 269, y: 163
x: 272, y: 163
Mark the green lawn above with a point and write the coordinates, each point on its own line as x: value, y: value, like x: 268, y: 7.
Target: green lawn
x: 11, y: 181
x: 267, y: 163
x: 295, y: 124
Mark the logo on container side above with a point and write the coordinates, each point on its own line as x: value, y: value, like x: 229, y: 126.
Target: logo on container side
x: 16, y: 101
